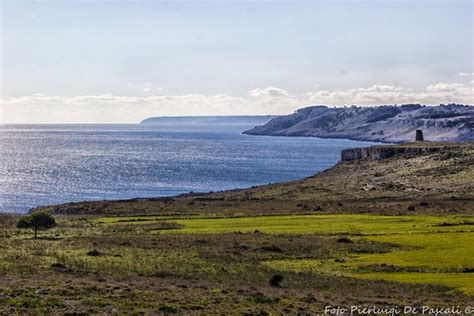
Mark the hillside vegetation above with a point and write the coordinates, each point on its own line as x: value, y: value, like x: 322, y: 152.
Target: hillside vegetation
x: 383, y: 123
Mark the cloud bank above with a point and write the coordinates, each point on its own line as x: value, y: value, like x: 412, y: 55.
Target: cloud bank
x: 108, y: 108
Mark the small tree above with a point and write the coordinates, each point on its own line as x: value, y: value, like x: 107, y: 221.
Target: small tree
x: 37, y: 221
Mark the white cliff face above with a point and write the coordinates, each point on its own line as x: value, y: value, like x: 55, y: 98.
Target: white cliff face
x: 384, y: 123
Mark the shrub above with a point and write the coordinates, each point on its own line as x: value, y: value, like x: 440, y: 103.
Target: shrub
x: 37, y: 221
x: 94, y: 253
x: 275, y: 280
x: 344, y: 240
x: 168, y: 308
x: 58, y: 265
x: 271, y: 248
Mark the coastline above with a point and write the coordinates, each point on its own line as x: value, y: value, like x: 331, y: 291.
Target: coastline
x: 138, y: 162
x: 204, y: 193
x: 380, y: 190
x: 363, y: 139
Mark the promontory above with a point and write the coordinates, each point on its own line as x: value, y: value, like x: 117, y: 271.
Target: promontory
x: 387, y: 123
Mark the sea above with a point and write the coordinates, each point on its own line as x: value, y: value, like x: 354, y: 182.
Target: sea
x: 52, y: 164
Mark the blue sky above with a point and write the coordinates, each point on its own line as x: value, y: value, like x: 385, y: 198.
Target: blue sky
x: 117, y: 61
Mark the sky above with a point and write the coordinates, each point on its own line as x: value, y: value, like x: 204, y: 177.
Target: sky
x: 122, y: 61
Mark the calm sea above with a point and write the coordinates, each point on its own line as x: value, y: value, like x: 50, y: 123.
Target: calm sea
x: 49, y: 164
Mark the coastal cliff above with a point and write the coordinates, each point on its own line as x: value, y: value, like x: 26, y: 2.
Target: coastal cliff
x: 385, y: 152
x: 392, y: 124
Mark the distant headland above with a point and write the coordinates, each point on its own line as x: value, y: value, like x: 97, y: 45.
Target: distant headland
x: 251, y: 120
x: 387, y: 123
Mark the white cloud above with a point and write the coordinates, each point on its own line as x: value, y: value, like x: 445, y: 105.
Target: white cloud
x: 386, y: 94
x: 269, y: 92
x: 108, y: 108
x: 466, y: 74
x: 445, y: 87
x: 147, y: 89
x: 376, y: 94
x: 382, y: 88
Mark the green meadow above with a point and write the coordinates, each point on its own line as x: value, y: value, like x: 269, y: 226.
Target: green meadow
x: 194, y: 264
x: 430, y: 258
x: 354, y: 224
x: 426, y: 249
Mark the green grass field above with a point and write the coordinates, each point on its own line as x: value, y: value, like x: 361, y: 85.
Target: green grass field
x: 432, y: 258
x: 355, y: 224
x: 429, y: 249
x: 207, y: 264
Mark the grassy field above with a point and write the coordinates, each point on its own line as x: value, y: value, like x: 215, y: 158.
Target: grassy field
x: 427, y: 244
x: 434, y: 258
x: 327, y: 224
x: 208, y: 265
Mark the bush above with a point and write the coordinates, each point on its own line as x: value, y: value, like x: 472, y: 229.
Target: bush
x: 344, y: 240
x: 271, y: 248
x: 37, y: 221
x: 94, y: 253
x: 168, y: 308
x: 275, y: 280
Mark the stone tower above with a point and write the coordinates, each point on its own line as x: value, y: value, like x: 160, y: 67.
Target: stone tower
x: 419, y: 135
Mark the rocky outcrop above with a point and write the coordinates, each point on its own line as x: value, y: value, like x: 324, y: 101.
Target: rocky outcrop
x: 392, y: 124
x: 378, y: 153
